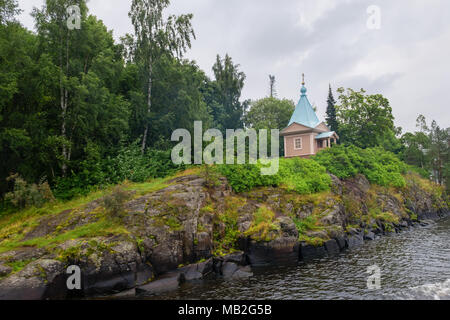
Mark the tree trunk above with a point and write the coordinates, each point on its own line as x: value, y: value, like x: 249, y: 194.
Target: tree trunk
x: 63, y: 107
x: 64, y: 102
x: 149, y: 103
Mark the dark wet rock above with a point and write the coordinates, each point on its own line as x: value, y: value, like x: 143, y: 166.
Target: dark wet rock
x: 204, y: 245
x: 378, y: 230
x: 193, y: 275
x: 404, y: 224
x: 281, y: 251
x: 243, y: 273
x: 228, y: 269
x: 197, y: 271
x: 335, y: 232
x: 309, y: 252
x: 354, y: 231
x: 428, y: 216
x: 332, y: 247
x: 425, y: 223
x: 166, y: 283
x: 99, y: 284
x: 231, y: 270
x: 144, y: 272
x: 342, y: 242
x: 113, y: 269
x: 5, y: 270
x: 39, y: 280
x: 128, y: 294
x: 288, y: 227
x: 355, y: 240
x: 236, y: 257
x: 205, y: 267
x: 370, y: 236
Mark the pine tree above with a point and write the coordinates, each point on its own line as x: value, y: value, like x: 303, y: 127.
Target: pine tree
x: 331, y: 112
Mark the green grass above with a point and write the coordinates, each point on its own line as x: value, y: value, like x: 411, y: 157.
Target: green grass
x: 378, y: 215
x: 226, y: 243
x: 18, y: 265
x: 14, y: 225
x: 147, y: 187
x: 104, y: 227
x: 314, y: 241
x: 263, y: 227
x: 309, y: 223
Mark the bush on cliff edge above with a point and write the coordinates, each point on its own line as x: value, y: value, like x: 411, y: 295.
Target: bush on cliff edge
x: 378, y: 165
x: 301, y: 175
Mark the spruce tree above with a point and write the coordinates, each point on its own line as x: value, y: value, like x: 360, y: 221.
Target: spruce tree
x: 331, y: 112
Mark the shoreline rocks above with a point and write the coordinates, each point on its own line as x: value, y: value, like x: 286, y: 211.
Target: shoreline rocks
x: 172, y: 234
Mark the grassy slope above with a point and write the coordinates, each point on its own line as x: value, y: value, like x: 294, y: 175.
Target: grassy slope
x: 14, y: 226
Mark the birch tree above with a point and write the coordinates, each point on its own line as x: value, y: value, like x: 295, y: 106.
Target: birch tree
x: 155, y: 36
x: 55, y: 36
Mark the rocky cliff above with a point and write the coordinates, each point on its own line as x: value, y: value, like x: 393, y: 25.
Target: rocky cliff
x: 188, y: 231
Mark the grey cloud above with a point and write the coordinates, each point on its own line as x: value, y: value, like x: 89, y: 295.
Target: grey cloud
x: 265, y: 37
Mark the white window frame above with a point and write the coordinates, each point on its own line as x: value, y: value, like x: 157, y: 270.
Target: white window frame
x: 295, y: 143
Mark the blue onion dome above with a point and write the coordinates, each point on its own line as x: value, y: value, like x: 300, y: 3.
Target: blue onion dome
x: 303, y: 90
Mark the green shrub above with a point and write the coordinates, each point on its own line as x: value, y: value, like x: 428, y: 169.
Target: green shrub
x: 210, y: 175
x: 129, y: 164
x: 304, y: 176
x: 424, y: 173
x: 263, y: 227
x: 341, y: 161
x: 114, y: 202
x: 303, y: 225
x: 245, y: 177
x: 26, y: 195
x: 378, y: 165
x: 296, y: 174
x: 226, y: 242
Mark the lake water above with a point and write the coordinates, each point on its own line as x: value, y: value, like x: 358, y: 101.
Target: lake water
x: 414, y: 264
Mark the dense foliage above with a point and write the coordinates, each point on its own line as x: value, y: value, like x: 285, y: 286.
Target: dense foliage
x: 74, y: 102
x: 367, y: 121
x: 364, y: 120
x: 78, y: 110
x: 378, y: 165
x: 300, y: 175
x: 129, y: 164
x: 244, y: 177
x: 428, y: 149
x: 306, y: 176
x: 269, y: 113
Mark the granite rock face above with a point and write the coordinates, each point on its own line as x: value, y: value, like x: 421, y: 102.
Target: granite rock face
x: 39, y: 280
x: 281, y: 251
x: 190, y: 231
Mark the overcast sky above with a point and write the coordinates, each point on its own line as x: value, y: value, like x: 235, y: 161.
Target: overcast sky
x: 407, y: 59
